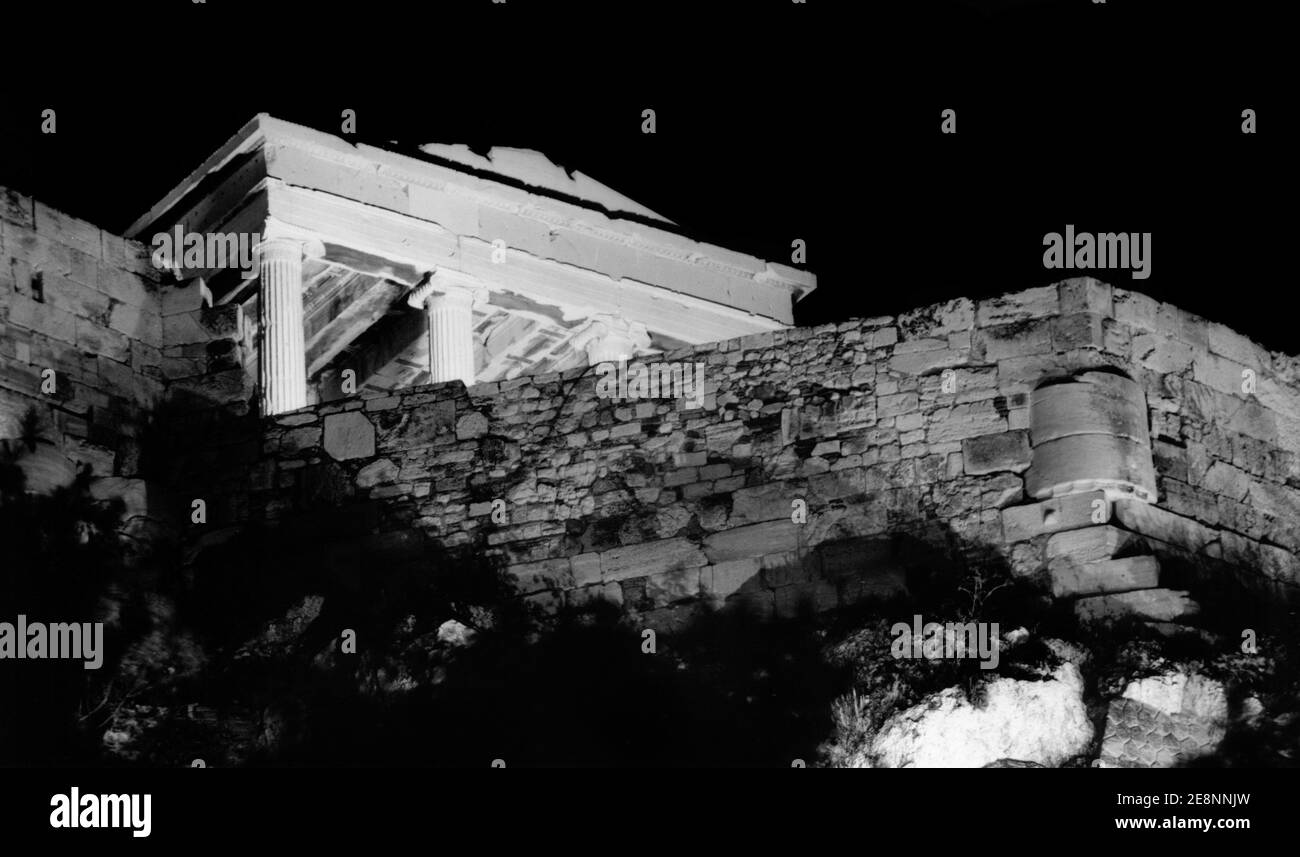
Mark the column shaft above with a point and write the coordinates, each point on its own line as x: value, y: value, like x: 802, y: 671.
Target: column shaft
x: 283, y: 356
x: 451, y: 336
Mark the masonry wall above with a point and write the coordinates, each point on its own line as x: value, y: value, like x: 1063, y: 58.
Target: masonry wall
x: 656, y: 506
x: 88, y: 306
x: 83, y: 303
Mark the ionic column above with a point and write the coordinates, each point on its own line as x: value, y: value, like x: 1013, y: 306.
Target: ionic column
x: 614, y: 338
x: 448, y: 303
x: 283, y: 356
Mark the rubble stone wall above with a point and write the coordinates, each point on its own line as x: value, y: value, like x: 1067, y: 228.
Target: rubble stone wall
x: 888, y: 431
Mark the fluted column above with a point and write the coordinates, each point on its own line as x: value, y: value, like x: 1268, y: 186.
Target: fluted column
x: 283, y: 356
x: 613, y: 338
x: 449, y: 305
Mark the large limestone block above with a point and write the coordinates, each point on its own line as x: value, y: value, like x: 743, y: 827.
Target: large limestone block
x: 650, y: 558
x: 1156, y: 605
x: 755, y: 540
x: 992, y: 453
x: 1091, y: 544
x: 1071, y: 578
x: 1030, y: 303
x: 1070, y: 512
x: 1163, y: 525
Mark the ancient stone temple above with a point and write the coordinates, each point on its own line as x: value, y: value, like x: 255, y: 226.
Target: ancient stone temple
x: 452, y: 266
x: 407, y: 351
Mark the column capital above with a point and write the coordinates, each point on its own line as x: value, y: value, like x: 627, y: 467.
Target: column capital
x: 450, y: 286
x: 285, y: 246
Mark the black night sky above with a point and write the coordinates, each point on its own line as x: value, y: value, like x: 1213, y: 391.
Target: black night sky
x: 776, y: 121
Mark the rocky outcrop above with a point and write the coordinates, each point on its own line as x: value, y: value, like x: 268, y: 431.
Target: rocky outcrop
x: 1040, y: 721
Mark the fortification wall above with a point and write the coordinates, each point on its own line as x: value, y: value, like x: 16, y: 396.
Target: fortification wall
x: 816, y: 460
x: 80, y: 334
x: 94, y: 343
x: 894, y: 432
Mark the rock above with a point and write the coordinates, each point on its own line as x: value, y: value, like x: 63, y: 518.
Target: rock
x: 134, y: 494
x: 1163, y: 721
x: 379, y: 472
x: 1014, y: 637
x: 45, y: 468
x: 1044, y: 722
x: 1013, y: 763
x: 349, y: 435
x: 471, y: 425
x: 1067, y: 651
x: 1251, y: 710
x: 1180, y: 693
x: 455, y: 634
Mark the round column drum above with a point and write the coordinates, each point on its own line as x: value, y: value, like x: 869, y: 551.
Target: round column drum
x: 1089, y: 434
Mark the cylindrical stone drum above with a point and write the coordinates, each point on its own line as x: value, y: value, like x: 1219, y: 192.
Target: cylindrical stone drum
x: 1090, y: 434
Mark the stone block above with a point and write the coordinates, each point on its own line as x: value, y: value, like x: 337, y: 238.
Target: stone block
x: 754, y: 540
x: 586, y: 569
x: 1156, y: 605
x: 725, y: 579
x: 771, y: 502
x: 349, y: 435
x: 540, y: 576
x: 69, y: 231
x: 16, y: 208
x: 103, y: 341
x: 127, y: 287
x: 1071, y: 578
x: 415, y: 426
x: 1090, y: 544
x: 1030, y: 303
x: 962, y: 421
x: 671, y: 586
x: 188, y: 297
x: 1161, y: 354
x: 42, y: 318
x: 1069, y: 512
x: 650, y: 558
x: 992, y: 453
x: 588, y: 595
x: 1085, y: 294
x: 1162, y: 525
x: 814, y: 597
x: 471, y: 424
x: 1017, y: 339
x: 381, y: 472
